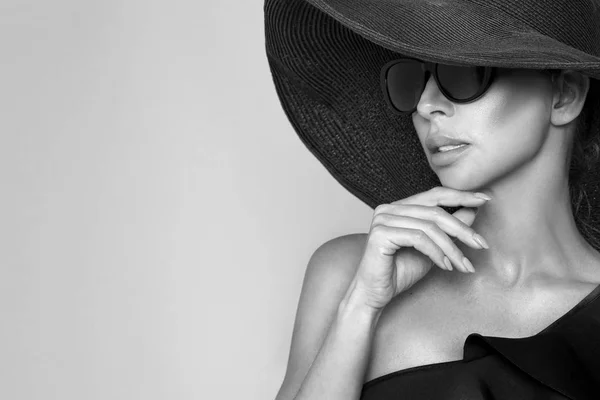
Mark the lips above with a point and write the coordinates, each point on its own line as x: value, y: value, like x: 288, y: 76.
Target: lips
x: 435, y: 142
x: 450, y: 157
x: 443, y: 149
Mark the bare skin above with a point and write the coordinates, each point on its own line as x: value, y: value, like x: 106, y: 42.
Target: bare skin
x: 445, y: 307
x: 538, y: 265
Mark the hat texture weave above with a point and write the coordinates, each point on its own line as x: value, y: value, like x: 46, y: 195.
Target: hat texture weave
x: 325, y: 58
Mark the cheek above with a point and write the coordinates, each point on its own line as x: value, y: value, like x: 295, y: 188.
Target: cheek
x: 511, y: 121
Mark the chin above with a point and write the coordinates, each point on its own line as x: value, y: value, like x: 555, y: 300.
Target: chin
x: 454, y: 178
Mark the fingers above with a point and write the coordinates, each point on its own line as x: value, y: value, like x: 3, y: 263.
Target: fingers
x: 422, y: 212
x: 448, y: 223
x: 415, y: 238
x: 429, y: 238
x: 441, y: 195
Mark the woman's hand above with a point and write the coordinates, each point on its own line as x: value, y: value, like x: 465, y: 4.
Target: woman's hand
x: 409, y: 236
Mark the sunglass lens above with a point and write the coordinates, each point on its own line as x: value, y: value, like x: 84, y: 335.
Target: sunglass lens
x: 461, y: 82
x: 405, y: 82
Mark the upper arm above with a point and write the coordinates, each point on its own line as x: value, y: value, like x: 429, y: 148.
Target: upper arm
x: 328, y: 275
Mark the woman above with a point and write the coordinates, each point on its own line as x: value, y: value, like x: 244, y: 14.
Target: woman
x: 421, y: 108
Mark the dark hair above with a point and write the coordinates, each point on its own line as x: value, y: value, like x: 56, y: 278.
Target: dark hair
x: 585, y: 157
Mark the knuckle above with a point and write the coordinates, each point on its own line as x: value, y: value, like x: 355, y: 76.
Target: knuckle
x: 381, y: 209
x: 398, y: 209
x: 419, y: 235
x: 380, y: 219
x: 437, y: 211
x: 431, y: 226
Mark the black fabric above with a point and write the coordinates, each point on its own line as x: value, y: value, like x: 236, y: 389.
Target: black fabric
x: 560, y: 362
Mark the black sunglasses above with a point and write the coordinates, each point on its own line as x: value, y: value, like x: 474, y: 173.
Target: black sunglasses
x: 403, y: 82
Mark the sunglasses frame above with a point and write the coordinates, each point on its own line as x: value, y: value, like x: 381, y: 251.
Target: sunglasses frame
x: 432, y: 68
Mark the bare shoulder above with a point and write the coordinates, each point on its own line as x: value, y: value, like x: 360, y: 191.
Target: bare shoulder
x: 334, y: 260
x: 328, y: 275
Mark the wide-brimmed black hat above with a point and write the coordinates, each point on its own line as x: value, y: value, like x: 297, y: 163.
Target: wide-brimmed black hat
x: 326, y: 56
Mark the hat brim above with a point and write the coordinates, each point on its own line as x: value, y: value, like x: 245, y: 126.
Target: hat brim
x: 476, y: 36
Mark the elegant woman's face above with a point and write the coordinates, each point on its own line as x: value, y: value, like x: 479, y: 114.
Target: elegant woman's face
x: 505, y: 128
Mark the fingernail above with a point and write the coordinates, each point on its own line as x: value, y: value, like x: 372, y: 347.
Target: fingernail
x: 447, y: 263
x: 468, y: 264
x: 482, y: 196
x: 479, y: 239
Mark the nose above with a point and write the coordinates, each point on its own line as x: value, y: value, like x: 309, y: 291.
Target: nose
x: 433, y: 101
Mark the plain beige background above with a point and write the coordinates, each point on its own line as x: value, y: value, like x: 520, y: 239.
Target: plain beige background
x: 157, y: 208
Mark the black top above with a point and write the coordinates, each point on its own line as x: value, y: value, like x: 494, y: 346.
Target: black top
x: 560, y: 362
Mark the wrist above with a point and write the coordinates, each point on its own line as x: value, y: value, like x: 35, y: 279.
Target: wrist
x: 355, y: 304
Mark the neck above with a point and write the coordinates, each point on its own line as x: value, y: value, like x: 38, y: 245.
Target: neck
x: 530, y: 228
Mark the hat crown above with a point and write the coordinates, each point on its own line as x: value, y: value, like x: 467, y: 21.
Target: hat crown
x: 573, y: 22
